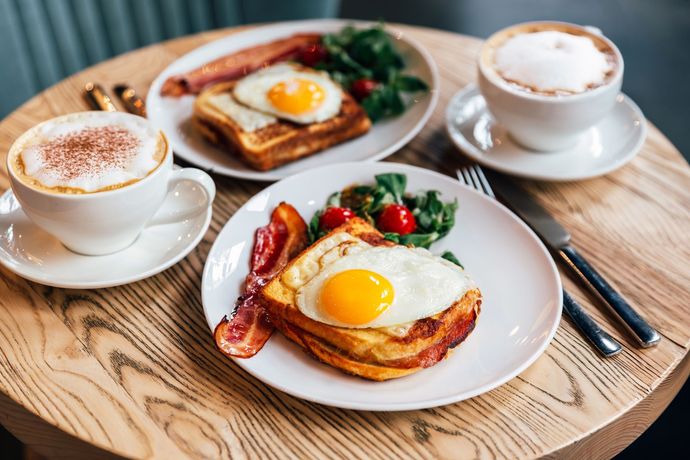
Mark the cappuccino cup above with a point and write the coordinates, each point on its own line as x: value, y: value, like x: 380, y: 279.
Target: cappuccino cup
x: 548, y: 82
x: 95, y: 180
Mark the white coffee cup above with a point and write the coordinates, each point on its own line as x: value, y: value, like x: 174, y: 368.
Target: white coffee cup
x: 108, y: 221
x: 546, y: 122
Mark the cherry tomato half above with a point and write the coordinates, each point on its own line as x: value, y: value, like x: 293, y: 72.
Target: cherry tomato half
x: 313, y: 54
x: 335, y: 217
x: 362, y: 88
x: 397, y: 219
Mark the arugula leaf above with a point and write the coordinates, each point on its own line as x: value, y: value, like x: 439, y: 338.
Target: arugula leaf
x: 432, y: 214
x: 420, y: 240
x: 334, y: 199
x: 313, y: 229
x: 449, y: 256
x: 410, y: 84
x: 362, y: 189
x: 370, y: 53
x: 391, y: 236
x: 374, y: 105
x: 393, y: 183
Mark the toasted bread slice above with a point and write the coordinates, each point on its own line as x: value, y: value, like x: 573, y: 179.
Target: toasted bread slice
x: 373, y: 353
x: 280, y: 142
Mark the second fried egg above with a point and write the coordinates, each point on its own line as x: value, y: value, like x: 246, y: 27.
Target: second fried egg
x: 291, y: 93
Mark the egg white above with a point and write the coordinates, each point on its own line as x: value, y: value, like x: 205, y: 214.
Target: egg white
x: 247, y: 119
x: 253, y: 90
x: 423, y: 284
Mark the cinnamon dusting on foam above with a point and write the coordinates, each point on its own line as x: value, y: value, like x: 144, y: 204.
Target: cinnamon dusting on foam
x: 88, y: 153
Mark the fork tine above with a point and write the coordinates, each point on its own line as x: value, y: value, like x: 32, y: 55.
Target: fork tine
x: 468, y: 178
x: 460, y: 175
x: 475, y: 180
x: 483, y: 181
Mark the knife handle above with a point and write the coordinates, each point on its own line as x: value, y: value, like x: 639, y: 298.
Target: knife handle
x: 602, y: 341
x: 645, y: 334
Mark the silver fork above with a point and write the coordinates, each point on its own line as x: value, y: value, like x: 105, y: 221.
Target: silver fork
x: 474, y: 177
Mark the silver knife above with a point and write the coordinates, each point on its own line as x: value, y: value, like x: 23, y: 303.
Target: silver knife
x: 558, y: 239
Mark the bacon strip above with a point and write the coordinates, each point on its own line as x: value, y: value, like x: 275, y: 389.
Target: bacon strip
x: 238, y: 64
x: 246, y: 332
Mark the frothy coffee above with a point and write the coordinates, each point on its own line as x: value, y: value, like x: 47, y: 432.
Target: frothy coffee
x: 88, y: 152
x: 551, y: 58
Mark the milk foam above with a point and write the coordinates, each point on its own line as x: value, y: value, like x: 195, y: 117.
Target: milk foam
x: 552, y: 61
x: 91, y: 172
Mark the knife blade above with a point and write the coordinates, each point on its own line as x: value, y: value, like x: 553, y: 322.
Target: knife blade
x: 558, y: 239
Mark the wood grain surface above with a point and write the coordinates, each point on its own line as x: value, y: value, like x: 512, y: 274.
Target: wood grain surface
x: 132, y: 370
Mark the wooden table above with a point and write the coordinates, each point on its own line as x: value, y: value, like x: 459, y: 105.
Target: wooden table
x: 133, y: 371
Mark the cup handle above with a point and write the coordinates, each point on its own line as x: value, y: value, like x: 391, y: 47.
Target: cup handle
x: 186, y: 175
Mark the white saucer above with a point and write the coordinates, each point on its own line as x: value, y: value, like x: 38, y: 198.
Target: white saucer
x: 36, y: 255
x: 603, y: 148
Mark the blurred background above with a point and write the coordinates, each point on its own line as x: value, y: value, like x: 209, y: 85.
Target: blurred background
x: 43, y: 41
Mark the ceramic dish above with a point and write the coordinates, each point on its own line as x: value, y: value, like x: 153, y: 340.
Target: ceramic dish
x: 605, y: 147
x: 172, y: 115
x: 38, y: 256
x: 520, y: 312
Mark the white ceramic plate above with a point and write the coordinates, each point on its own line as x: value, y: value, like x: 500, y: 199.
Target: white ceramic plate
x: 603, y: 148
x: 518, y: 278
x: 386, y: 136
x: 36, y: 255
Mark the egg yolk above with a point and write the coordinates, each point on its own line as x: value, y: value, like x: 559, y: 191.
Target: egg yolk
x: 356, y: 296
x: 296, y: 96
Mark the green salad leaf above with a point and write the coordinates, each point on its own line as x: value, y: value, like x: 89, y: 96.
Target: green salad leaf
x: 354, y: 54
x: 449, y: 256
x: 435, y: 218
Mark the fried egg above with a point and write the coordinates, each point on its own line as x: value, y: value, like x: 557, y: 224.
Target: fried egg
x: 347, y: 282
x: 285, y: 91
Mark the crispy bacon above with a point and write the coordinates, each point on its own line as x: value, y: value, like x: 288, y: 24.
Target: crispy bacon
x: 238, y: 64
x: 246, y: 332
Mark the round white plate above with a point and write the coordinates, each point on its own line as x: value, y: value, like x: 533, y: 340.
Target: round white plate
x: 518, y: 278
x: 607, y: 146
x: 172, y: 115
x: 36, y: 255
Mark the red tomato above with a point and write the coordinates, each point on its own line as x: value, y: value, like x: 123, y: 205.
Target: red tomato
x: 313, y: 54
x: 335, y: 217
x: 397, y: 219
x: 362, y: 88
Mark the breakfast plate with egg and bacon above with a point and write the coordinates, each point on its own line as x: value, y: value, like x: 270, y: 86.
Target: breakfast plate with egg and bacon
x: 279, y: 99
x: 379, y: 286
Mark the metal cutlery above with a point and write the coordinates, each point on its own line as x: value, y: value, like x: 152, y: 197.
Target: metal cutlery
x: 558, y: 239
x: 130, y: 100
x: 608, y: 346
x: 97, y: 98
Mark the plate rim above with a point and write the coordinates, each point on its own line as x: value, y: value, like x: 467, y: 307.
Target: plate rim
x: 398, y: 406
x: 153, y: 95
x: 467, y: 148
x: 18, y: 270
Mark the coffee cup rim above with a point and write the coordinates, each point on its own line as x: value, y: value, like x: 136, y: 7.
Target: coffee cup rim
x: 87, y: 195
x: 493, y: 77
